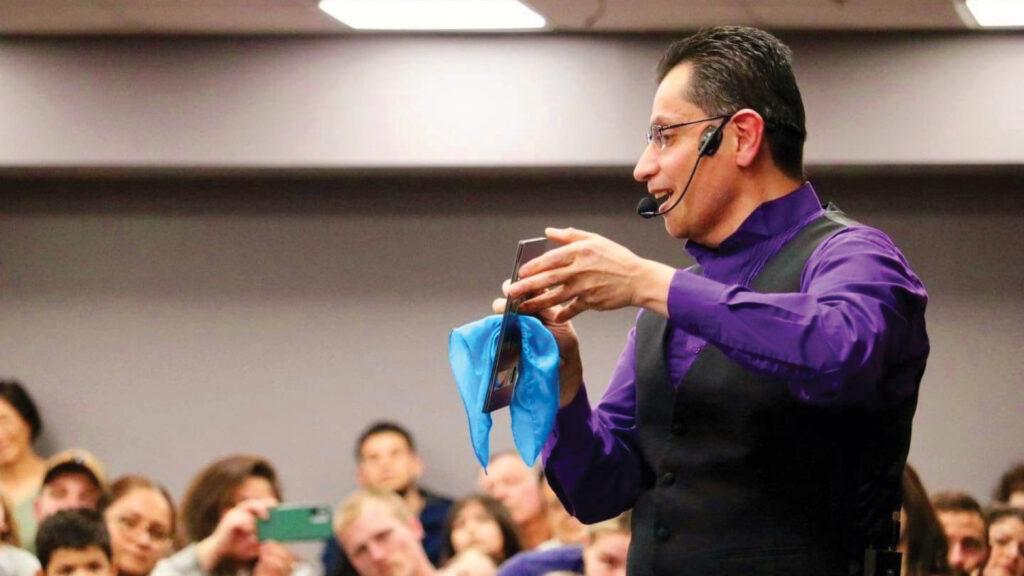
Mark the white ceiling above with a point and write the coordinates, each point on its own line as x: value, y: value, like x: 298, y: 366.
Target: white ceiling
x: 58, y: 17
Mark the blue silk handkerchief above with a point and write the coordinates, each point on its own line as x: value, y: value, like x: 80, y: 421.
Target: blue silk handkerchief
x: 471, y: 350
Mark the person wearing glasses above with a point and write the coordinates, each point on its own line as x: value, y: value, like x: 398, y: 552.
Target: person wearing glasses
x: 759, y: 417
x: 141, y: 521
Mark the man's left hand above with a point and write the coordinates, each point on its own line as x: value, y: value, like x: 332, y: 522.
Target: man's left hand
x: 590, y: 272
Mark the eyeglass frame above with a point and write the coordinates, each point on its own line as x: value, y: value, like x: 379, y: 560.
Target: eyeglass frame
x: 660, y: 130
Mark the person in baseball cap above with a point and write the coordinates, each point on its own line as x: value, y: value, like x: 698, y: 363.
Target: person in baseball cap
x: 74, y: 479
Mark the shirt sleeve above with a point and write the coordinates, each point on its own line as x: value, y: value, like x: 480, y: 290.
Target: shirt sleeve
x: 859, y: 317
x: 590, y: 458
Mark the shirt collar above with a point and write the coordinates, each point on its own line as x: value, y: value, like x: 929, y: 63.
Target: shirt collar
x: 768, y: 220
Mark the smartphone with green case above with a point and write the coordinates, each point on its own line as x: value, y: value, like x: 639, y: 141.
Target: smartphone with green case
x: 296, y: 522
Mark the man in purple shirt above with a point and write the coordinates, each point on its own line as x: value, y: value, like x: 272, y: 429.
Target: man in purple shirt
x: 759, y: 418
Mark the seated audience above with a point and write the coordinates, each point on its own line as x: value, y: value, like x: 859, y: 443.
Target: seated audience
x: 964, y: 524
x: 387, y: 460
x: 219, y: 513
x: 13, y: 560
x: 603, y: 554
x: 141, y: 521
x: 74, y: 479
x: 922, y: 541
x: 381, y: 535
x: 74, y: 543
x: 477, y: 524
x: 1010, y: 490
x: 21, y: 468
x: 1005, y: 542
x: 518, y: 487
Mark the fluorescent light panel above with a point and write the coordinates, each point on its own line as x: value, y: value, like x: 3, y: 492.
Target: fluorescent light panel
x: 433, y: 14
x: 997, y: 13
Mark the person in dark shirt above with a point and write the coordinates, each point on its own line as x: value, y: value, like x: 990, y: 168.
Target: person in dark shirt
x: 387, y: 460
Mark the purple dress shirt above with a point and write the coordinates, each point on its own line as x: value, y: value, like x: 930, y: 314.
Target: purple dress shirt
x: 858, y: 315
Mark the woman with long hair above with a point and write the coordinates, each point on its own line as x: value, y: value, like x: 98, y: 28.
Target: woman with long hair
x: 218, y: 514
x: 479, y: 534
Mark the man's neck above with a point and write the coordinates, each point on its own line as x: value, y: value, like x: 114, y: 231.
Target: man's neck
x: 535, y: 532
x: 414, y: 499
x: 753, y: 191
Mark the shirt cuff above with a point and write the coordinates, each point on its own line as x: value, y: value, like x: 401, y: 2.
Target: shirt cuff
x: 571, y: 422
x: 693, y: 302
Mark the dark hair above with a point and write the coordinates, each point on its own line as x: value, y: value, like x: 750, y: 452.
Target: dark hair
x: 956, y: 501
x: 999, y: 512
x: 925, y: 540
x: 130, y: 482
x: 736, y: 67
x: 210, y: 493
x: 381, y: 427
x: 1011, y: 481
x: 15, y: 394
x: 511, y: 544
x: 71, y: 530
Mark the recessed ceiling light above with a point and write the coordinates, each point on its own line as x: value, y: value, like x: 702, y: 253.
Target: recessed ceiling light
x: 997, y: 13
x: 433, y: 14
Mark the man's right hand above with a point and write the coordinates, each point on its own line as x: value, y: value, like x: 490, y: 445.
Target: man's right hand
x: 570, y: 368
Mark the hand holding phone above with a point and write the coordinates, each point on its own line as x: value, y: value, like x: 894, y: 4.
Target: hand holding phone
x: 505, y: 370
x: 295, y: 522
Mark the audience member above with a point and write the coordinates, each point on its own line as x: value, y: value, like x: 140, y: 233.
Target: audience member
x: 964, y: 524
x: 74, y: 543
x: 381, y: 535
x: 518, y: 487
x: 603, y: 554
x: 13, y: 560
x: 219, y: 513
x: 1005, y: 542
x: 21, y: 468
x: 922, y: 541
x: 387, y: 459
x: 140, y: 518
x: 74, y: 479
x: 478, y: 523
x: 1010, y: 490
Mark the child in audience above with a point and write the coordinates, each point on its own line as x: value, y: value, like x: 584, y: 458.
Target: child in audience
x: 74, y: 542
x: 141, y: 520
x: 478, y: 524
x: 21, y: 468
x: 13, y: 560
x: 219, y: 513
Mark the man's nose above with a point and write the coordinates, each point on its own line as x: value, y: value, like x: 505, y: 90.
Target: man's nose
x: 646, y: 165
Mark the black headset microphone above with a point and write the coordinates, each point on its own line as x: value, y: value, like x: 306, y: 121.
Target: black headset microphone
x: 710, y: 140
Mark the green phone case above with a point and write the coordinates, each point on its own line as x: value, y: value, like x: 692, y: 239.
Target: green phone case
x: 296, y: 522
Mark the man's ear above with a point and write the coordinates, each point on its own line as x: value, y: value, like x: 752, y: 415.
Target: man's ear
x: 749, y: 129
x: 416, y: 527
x: 360, y: 475
x: 418, y: 466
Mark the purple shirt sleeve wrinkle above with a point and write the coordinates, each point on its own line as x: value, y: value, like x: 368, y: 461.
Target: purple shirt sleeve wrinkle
x: 591, y: 458
x: 859, y: 314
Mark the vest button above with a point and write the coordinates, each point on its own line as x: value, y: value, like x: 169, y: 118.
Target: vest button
x: 678, y: 428
x: 661, y: 533
x: 668, y: 479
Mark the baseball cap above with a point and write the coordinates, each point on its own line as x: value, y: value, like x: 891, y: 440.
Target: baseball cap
x: 76, y: 459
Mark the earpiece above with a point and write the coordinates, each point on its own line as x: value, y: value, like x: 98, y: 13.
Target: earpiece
x: 710, y: 140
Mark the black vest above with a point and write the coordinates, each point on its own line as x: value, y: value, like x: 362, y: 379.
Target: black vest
x: 743, y: 479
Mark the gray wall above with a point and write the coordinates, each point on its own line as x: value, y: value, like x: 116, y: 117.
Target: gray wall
x: 164, y: 323
x: 511, y: 101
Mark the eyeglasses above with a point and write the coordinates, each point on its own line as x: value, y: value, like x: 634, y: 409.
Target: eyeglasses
x: 656, y: 132
x: 157, y: 534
